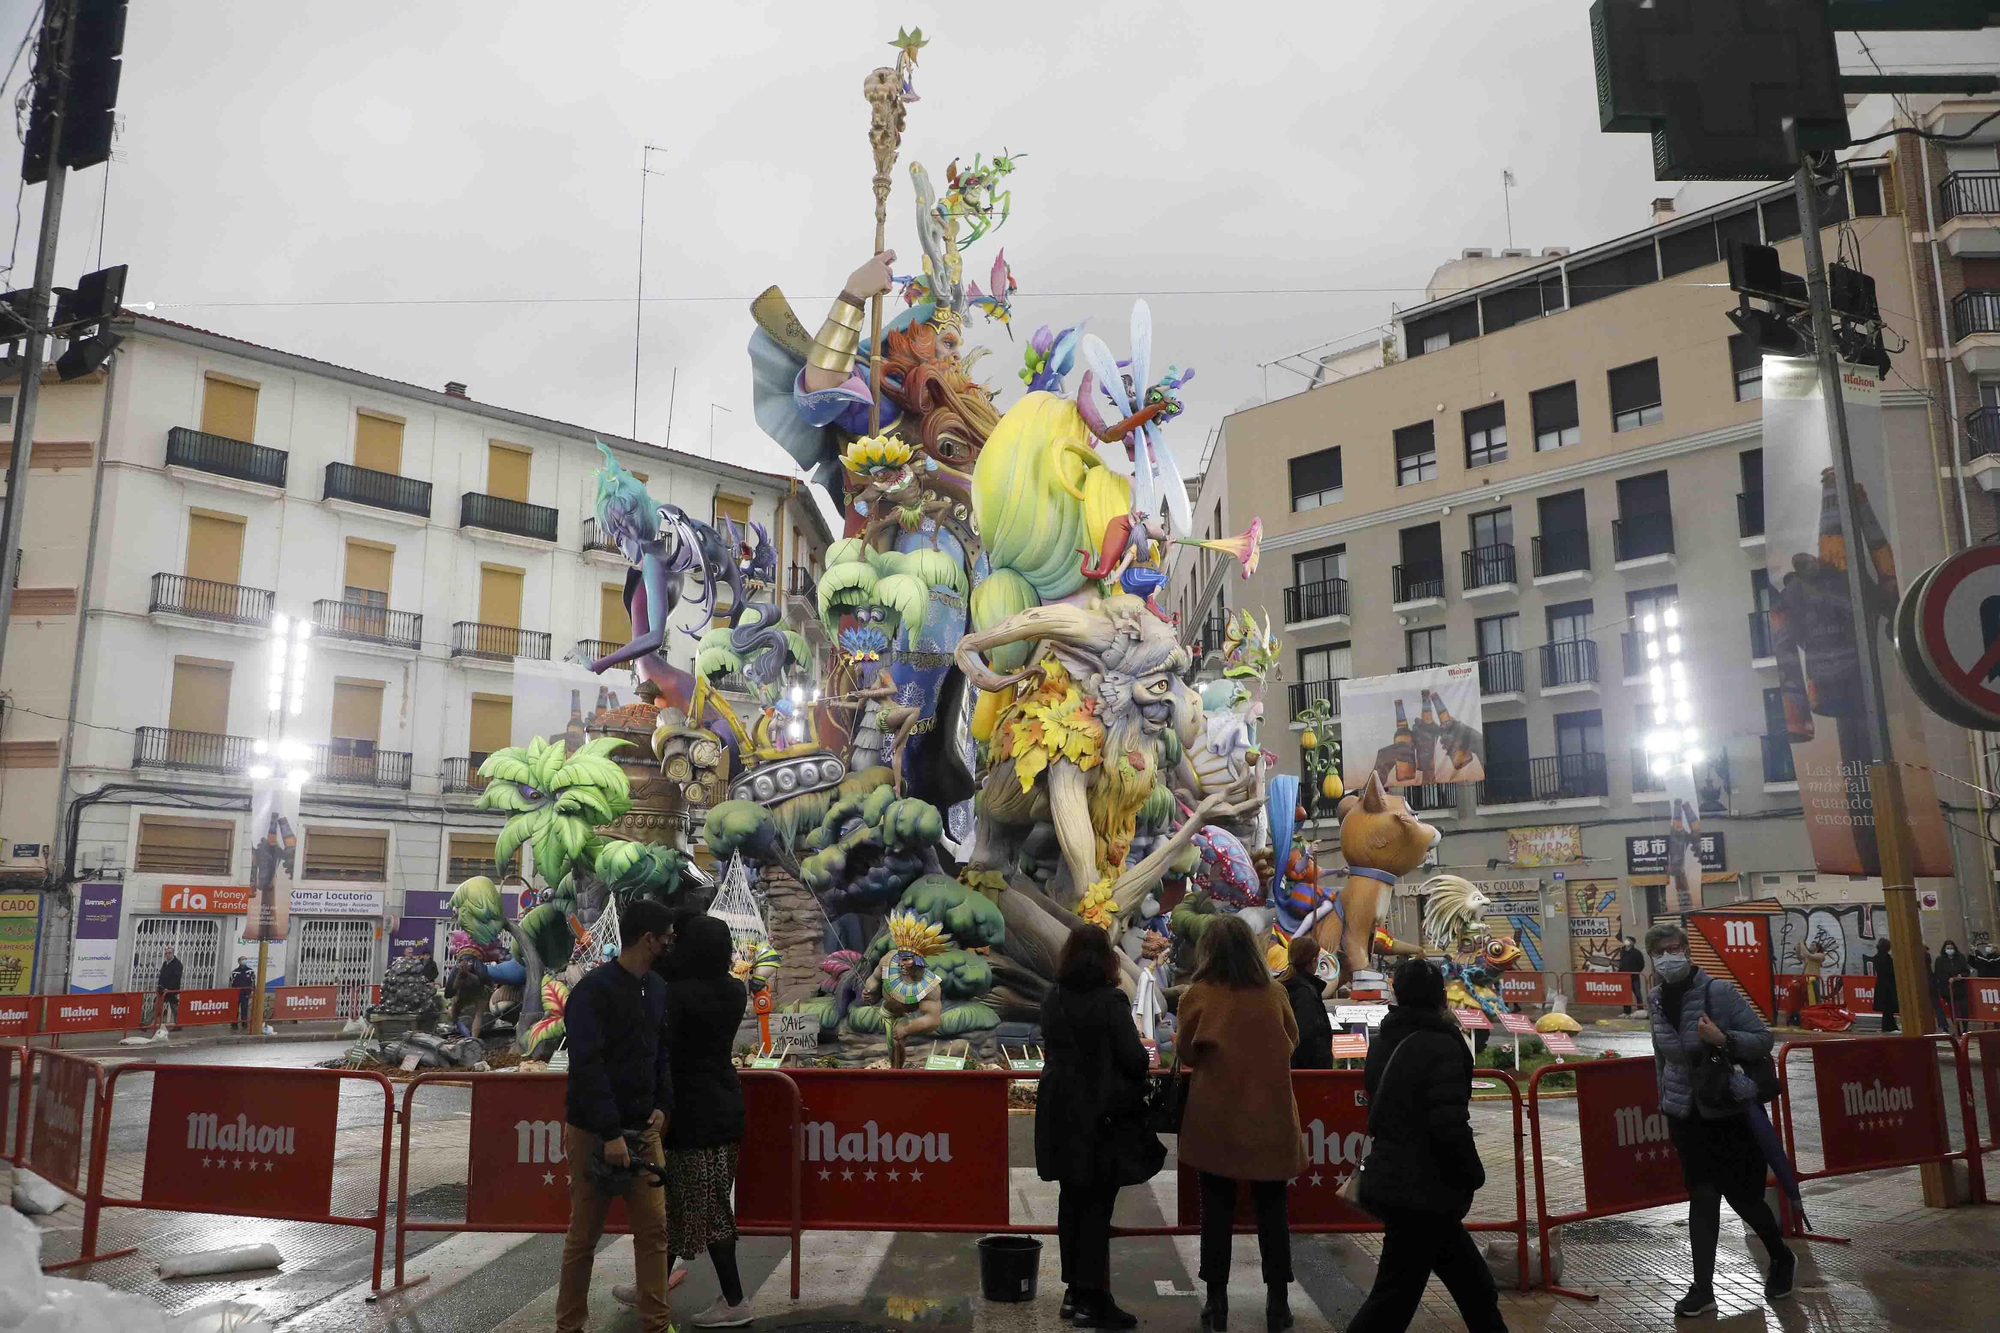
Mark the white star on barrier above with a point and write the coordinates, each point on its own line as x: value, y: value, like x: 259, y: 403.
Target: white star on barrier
x: 239, y: 1163
x: 548, y: 1177
x: 916, y: 1175
x: 204, y: 1161
x: 1316, y: 1178
x: 271, y: 1165
x: 847, y: 1174
x: 895, y: 1175
x: 868, y: 1175
x: 825, y: 1174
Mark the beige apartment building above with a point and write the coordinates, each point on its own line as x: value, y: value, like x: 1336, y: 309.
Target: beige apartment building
x: 1557, y: 444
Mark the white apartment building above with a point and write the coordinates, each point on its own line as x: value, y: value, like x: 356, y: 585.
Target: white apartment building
x: 445, y: 553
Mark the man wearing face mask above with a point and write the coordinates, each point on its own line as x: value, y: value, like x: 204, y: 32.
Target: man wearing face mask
x: 1720, y: 1156
x: 1948, y: 984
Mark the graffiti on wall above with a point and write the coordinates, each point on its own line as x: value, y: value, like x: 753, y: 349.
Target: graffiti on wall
x: 1593, y: 925
x: 1845, y: 932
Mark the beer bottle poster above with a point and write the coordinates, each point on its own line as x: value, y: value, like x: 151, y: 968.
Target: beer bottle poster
x: 1820, y: 662
x: 274, y: 849
x: 1414, y: 728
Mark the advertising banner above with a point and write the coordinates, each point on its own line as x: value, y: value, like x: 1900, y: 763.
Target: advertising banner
x: 55, y: 1145
x: 109, y: 1011
x: 519, y: 1171
x: 1743, y: 942
x: 1646, y: 854
x: 1545, y: 845
x: 1593, y: 925
x: 94, y: 956
x: 1982, y: 999
x: 20, y: 921
x: 1333, y: 1126
x: 1524, y: 987
x: 19, y: 1016
x: 304, y: 1004
x: 904, y: 1149
x: 437, y: 903
x: 1628, y: 1160
x: 339, y: 902
x: 1413, y: 728
x: 274, y: 853
x: 205, y: 899
x: 415, y: 933
x: 200, y: 1007
x: 1606, y: 988
x: 1878, y: 1102
x: 215, y: 1132
x: 1820, y: 664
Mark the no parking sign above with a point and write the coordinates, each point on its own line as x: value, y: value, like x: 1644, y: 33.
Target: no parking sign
x: 1948, y: 637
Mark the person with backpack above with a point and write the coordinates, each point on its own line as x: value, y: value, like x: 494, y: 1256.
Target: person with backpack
x: 1692, y: 1014
x: 1423, y: 1167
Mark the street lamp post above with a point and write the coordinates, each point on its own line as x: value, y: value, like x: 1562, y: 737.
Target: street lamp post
x: 277, y: 774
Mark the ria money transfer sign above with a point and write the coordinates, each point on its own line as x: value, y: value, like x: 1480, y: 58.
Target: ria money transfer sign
x: 1413, y: 728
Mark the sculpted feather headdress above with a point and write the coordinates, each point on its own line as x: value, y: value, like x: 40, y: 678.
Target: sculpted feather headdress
x: 910, y: 933
x: 1453, y: 901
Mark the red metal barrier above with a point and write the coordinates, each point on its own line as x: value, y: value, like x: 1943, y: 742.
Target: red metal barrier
x: 13, y: 1108
x: 1988, y: 1045
x: 54, y: 1088
x: 1628, y: 1162
x: 20, y: 1016
x: 279, y: 1123
x: 513, y: 1166
x: 303, y: 1004
x: 105, y: 1011
x: 1881, y: 1105
x: 1524, y: 987
x: 1616, y: 989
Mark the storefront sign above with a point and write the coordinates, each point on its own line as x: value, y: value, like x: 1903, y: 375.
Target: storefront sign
x: 1605, y: 988
x: 1545, y: 845
x: 339, y: 902
x: 304, y: 1004
x: 1743, y: 941
x: 1878, y: 1102
x: 106, y: 1011
x: 1333, y: 1129
x: 1628, y: 1160
x: 20, y: 921
x: 221, y: 1139
x: 437, y: 903
x: 1523, y: 987
x: 94, y: 956
x: 415, y: 933
x: 55, y: 1146
x: 897, y: 1148
x: 1647, y: 853
x: 217, y: 899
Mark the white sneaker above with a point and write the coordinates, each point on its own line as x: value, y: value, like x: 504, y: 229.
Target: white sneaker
x: 723, y: 1315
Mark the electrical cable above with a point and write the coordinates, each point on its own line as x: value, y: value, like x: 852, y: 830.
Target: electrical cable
x: 1926, y: 134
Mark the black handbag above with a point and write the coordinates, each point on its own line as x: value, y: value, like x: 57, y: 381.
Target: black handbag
x: 1166, y: 1100
x: 1133, y: 1151
x: 1711, y: 1072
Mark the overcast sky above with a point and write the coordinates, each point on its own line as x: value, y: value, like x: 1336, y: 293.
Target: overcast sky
x: 1270, y: 180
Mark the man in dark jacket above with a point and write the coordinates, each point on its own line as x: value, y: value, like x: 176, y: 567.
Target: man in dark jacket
x: 1423, y: 1166
x: 1632, y: 961
x: 1883, y: 964
x: 244, y: 980
x: 618, y: 1080
x: 430, y: 964
x: 169, y: 988
x: 1308, y: 996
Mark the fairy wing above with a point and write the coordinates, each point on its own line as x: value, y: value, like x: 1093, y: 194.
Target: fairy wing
x: 1168, y: 482
x: 1142, y: 350
x: 1098, y: 360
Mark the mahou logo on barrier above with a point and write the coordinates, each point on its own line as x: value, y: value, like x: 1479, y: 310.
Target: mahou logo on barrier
x: 303, y: 1004
x: 1628, y: 1159
x: 1878, y: 1102
x: 110, y: 1012
x: 1604, y: 988
x: 519, y: 1170
x: 219, y: 1139
x: 208, y: 1006
x: 1523, y: 987
x: 1333, y: 1130
x: 1743, y: 942
x: 55, y: 1145
x: 910, y: 1147
x: 17, y: 1015
x: 1982, y: 999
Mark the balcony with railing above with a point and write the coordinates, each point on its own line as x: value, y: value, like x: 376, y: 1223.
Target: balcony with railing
x: 799, y: 582
x: 205, y: 599
x: 360, y: 764
x: 220, y: 456
x: 1642, y: 536
x: 377, y: 490
x: 1760, y: 636
x: 1969, y: 194
x: 1560, y: 777
x: 1487, y: 569
x: 1315, y: 601
x: 1569, y: 663
x: 469, y: 638
x: 1305, y: 693
x: 1749, y: 514
x: 496, y: 513
x: 1419, y: 582
x: 589, y: 650
x: 336, y: 619
x: 595, y: 540
x: 1430, y: 796
x: 1561, y: 552
x: 1974, y: 312
x: 1982, y: 433
x: 1777, y: 760
x: 196, y: 751
x: 462, y: 774
x: 1500, y: 673
x: 1214, y: 632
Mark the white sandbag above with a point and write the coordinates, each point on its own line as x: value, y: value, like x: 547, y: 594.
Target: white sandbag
x: 233, y: 1259
x: 221, y: 1317
x: 135, y: 1041
x: 20, y: 1270
x: 92, y: 1307
x: 1506, y: 1268
x: 32, y: 1194
x: 160, y: 1036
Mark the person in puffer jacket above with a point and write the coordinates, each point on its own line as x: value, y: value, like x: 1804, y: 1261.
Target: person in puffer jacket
x: 1720, y: 1157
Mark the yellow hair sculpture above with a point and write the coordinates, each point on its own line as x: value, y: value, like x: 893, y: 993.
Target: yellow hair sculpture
x: 910, y: 933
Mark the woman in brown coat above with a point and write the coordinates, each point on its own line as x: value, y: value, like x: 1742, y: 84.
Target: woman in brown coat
x: 1236, y: 1032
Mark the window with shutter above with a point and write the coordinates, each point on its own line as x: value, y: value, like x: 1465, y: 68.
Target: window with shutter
x: 378, y: 443
x: 614, y: 622
x: 1635, y: 395
x: 173, y: 846
x: 1315, y: 479
x: 200, y: 701
x: 215, y: 546
x: 229, y: 409
x: 1746, y: 367
x: 1553, y: 411
x: 1485, y: 435
x: 500, y: 595
x: 469, y: 855
x: 346, y: 854
x: 492, y: 725
x: 1416, y: 454
x: 507, y: 470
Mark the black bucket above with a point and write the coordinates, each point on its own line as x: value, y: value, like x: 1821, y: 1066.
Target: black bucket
x: 1008, y: 1267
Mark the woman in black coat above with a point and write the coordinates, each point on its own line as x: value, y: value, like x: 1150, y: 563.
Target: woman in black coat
x: 1308, y: 996
x: 1883, y: 964
x: 705, y: 1007
x: 1423, y: 1166
x: 1089, y: 1110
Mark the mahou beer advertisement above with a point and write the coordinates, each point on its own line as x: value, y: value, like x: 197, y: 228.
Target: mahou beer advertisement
x: 258, y: 1134
x: 1413, y: 728
x: 1879, y: 1102
x: 1820, y: 662
x: 1333, y: 1130
x: 1628, y: 1160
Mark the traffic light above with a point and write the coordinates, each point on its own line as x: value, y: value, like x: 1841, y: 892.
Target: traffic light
x: 88, y: 97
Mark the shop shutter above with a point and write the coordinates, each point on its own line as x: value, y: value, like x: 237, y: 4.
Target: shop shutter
x: 336, y: 951
x: 215, y: 547
x: 346, y: 854
x: 169, y: 845
x: 229, y: 410
x: 195, y: 940
x: 507, y: 469
x: 378, y: 443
